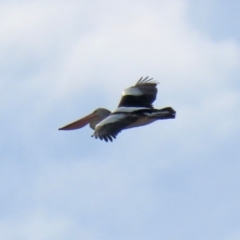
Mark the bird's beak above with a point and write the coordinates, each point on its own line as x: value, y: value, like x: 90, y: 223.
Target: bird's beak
x: 80, y: 123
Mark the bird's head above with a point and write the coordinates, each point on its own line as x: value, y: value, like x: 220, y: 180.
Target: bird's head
x: 92, y: 119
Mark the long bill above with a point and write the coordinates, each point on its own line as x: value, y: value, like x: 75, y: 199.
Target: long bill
x: 80, y: 123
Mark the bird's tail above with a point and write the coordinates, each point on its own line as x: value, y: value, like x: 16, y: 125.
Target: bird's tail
x: 164, y: 113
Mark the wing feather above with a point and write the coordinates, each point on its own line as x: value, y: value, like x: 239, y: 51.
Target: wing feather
x: 109, y: 128
x: 143, y: 94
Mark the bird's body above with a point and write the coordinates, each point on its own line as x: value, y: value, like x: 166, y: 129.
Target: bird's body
x: 134, y: 110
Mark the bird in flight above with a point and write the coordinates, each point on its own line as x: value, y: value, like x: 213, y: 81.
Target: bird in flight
x: 134, y: 110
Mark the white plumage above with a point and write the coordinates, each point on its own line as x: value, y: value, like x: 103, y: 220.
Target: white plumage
x: 132, y: 91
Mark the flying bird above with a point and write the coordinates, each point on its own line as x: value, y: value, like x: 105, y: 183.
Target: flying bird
x: 134, y: 110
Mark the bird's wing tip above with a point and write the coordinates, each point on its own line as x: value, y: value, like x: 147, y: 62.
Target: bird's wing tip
x: 146, y: 80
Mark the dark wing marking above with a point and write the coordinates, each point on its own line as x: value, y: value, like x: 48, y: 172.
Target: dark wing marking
x: 143, y: 94
x: 164, y: 113
x: 112, y: 125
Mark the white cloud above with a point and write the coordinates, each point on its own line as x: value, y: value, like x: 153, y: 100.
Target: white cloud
x: 41, y: 225
x: 234, y: 236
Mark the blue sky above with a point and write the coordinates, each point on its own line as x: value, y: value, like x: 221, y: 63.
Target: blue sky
x: 176, y: 179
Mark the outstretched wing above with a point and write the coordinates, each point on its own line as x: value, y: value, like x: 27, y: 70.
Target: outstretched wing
x: 112, y: 125
x: 143, y: 94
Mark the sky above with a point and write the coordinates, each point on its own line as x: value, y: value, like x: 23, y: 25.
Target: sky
x: 171, y: 180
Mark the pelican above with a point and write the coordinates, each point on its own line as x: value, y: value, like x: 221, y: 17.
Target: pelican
x: 134, y: 110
